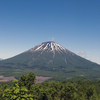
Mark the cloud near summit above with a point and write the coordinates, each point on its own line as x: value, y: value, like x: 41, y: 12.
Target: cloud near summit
x: 52, y: 38
x: 82, y: 54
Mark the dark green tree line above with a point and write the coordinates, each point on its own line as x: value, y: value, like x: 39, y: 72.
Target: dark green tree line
x: 26, y: 89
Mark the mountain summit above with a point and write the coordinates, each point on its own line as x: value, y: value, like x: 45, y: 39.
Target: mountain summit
x: 50, y: 46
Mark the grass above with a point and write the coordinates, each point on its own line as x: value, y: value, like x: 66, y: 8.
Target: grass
x: 57, y: 75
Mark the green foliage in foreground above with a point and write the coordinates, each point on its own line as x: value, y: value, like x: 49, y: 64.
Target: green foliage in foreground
x: 26, y: 89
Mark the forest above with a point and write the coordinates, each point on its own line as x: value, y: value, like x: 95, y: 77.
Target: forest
x: 26, y: 89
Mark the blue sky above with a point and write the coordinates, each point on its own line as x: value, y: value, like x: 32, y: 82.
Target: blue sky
x: 74, y: 24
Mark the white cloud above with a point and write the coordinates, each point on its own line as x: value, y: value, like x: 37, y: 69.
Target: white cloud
x: 52, y: 39
x: 82, y: 54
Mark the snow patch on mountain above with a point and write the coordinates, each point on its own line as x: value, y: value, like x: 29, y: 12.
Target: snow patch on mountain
x: 49, y: 47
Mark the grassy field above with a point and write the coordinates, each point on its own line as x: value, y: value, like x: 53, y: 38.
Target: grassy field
x: 58, y: 75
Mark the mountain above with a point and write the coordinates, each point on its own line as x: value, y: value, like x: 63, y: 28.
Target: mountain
x: 51, y: 57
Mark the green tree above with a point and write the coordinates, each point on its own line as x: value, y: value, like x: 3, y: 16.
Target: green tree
x: 1, y: 91
x: 27, y: 80
x: 16, y: 93
x: 69, y: 91
x: 91, y: 93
